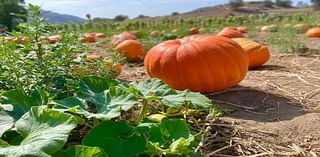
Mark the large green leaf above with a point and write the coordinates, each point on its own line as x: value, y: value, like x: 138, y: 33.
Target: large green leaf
x: 197, y: 100
x: 20, y: 102
x: 91, y: 85
x: 6, y: 122
x: 153, y: 87
x: 81, y: 151
x: 106, y: 105
x: 156, y: 89
x: 170, y: 137
x: 45, y: 131
x: 116, y: 138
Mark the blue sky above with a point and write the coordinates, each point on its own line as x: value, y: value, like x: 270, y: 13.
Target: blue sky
x: 111, y: 8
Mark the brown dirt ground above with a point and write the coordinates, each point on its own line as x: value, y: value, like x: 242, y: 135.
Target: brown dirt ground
x: 274, y: 111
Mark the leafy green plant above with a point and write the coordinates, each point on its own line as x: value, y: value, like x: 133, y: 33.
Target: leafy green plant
x: 44, y: 132
x: 34, y: 125
x: 36, y: 64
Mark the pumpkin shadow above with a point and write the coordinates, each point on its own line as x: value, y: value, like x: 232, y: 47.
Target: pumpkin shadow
x: 268, y: 67
x: 253, y: 104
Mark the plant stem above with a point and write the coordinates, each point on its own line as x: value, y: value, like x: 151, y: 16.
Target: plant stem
x: 143, y: 112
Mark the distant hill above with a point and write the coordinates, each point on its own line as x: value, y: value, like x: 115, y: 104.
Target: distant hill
x: 54, y: 17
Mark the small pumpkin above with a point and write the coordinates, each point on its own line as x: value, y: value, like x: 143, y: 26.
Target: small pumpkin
x: 269, y: 28
x: 194, y: 30
x: 301, y: 27
x: 88, y: 39
x: 242, y: 29
x: 154, y: 33
x: 100, y: 35
x: 93, y: 56
x: 313, y: 32
x: 53, y: 39
x: 230, y: 32
x: 117, y: 39
x: 258, y: 54
x: 8, y: 39
x: 21, y: 40
x: 133, y: 50
x: 107, y: 66
x: 201, y: 63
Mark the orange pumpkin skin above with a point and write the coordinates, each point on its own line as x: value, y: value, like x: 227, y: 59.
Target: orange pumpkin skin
x: 201, y: 63
x: 93, y: 56
x: 258, y: 54
x: 133, y: 50
x: 313, y: 32
x: 230, y: 33
x: 117, y: 39
x: 21, y: 40
x: 53, y: 39
x: 100, y: 35
x: 194, y: 30
x: 242, y: 29
x: 88, y: 39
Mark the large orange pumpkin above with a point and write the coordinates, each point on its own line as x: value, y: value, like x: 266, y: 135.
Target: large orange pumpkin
x: 313, y: 32
x: 117, y: 39
x: 258, y: 54
x: 230, y: 32
x: 133, y: 50
x: 201, y: 63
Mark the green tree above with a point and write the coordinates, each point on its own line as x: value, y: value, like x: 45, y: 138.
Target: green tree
x: 120, y: 18
x: 316, y: 4
x: 8, y: 11
x: 235, y: 4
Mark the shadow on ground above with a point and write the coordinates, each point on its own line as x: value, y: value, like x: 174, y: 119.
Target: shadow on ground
x: 253, y: 104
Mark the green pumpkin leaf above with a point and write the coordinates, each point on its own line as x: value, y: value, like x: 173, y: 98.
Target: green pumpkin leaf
x: 116, y: 138
x: 91, y: 85
x: 107, y: 104
x: 81, y: 151
x: 6, y: 122
x: 44, y: 131
x: 197, y: 100
x: 155, y: 89
x: 170, y: 137
x: 20, y: 102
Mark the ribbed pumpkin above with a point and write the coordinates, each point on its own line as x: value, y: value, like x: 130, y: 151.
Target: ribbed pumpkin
x: 117, y: 39
x: 200, y: 63
x: 313, y: 32
x: 230, y: 32
x: 258, y: 54
x: 133, y: 50
x: 242, y: 29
